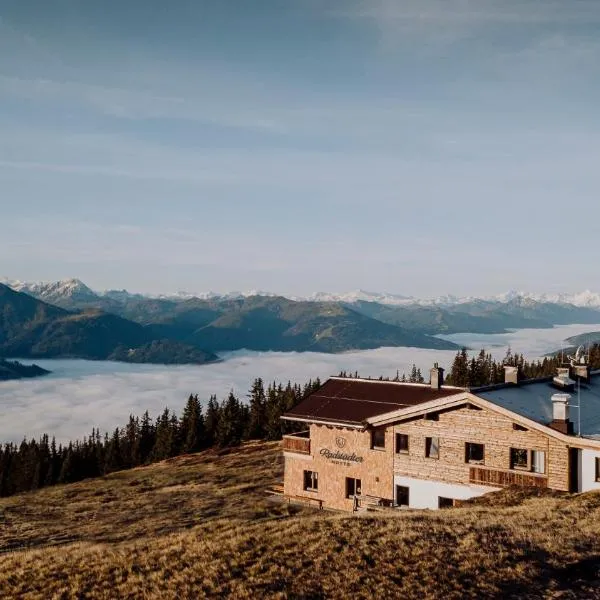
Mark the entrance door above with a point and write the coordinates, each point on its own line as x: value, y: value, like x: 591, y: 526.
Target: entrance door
x: 353, y: 487
x: 402, y: 495
x: 574, y: 458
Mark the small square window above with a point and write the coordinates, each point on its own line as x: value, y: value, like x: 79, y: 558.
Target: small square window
x: 378, y: 438
x: 474, y: 453
x: 401, y: 443
x: 311, y: 481
x: 445, y: 502
x: 432, y: 447
x: 519, y: 458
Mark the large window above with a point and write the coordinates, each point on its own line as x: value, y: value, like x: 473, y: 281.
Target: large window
x: 402, y: 495
x: 523, y: 459
x: 401, y: 443
x: 353, y: 487
x: 378, y: 438
x: 432, y: 447
x: 474, y: 453
x: 311, y: 481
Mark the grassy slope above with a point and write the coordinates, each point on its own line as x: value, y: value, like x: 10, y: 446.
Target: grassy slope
x: 201, y: 526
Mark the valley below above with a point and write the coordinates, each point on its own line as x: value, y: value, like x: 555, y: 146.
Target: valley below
x: 79, y: 395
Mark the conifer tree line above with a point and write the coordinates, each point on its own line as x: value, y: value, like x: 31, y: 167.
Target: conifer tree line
x: 34, y: 464
x: 481, y: 369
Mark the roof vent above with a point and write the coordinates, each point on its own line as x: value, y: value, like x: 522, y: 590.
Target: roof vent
x: 563, y: 380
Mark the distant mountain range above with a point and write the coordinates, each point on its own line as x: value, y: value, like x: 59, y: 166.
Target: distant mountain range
x: 82, y: 324
x: 74, y: 290
x: 31, y: 328
x: 68, y: 318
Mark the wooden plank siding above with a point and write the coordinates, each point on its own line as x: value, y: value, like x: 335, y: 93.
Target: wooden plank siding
x: 497, y: 478
x: 292, y: 443
x: 455, y: 428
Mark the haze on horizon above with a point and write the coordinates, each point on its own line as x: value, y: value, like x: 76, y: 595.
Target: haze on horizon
x: 418, y: 147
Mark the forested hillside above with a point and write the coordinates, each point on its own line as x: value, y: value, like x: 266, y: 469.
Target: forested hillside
x: 30, y: 328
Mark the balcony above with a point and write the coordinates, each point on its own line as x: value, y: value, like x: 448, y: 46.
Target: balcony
x: 496, y: 478
x: 297, y: 442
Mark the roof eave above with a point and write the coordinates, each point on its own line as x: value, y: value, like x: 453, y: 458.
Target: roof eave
x: 331, y: 423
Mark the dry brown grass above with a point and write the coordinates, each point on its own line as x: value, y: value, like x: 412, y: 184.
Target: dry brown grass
x: 201, y: 526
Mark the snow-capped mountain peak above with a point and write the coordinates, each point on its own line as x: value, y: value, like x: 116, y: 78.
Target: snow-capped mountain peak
x: 75, y: 290
x: 68, y: 288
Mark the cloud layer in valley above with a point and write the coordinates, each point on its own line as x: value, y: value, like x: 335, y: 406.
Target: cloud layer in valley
x: 80, y: 395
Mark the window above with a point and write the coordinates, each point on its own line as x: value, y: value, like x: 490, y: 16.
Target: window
x: 597, y: 469
x: 401, y: 443
x: 402, y: 495
x: 519, y: 458
x: 474, y: 453
x: 528, y: 460
x: 432, y: 447
x: 352, y: 487
x: 445, y: 502
x: 378, y: 438
x: 538, y: 461
x: 311, y: 481
x: 518, y: 427
x: 432, y: 416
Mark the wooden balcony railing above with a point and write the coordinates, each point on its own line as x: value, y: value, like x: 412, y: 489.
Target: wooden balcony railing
x: 297, y: 442
x: 497, y: 478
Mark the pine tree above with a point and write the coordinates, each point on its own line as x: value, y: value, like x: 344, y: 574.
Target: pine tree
x: 192, y: 426
x: 256, y: 428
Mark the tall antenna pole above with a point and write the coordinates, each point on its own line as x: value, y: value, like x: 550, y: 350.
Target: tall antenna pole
x: 579, y: 406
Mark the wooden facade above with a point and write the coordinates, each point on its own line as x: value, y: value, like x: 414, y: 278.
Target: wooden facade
x: 337, y: 453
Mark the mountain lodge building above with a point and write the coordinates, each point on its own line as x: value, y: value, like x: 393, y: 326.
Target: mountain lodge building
x: 428, y: 445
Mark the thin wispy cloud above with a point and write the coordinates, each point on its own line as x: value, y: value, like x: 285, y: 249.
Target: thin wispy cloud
x: 277, y: 124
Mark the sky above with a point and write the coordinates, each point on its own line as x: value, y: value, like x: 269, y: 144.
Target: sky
x: 80, y: 395
x: 418, y: 147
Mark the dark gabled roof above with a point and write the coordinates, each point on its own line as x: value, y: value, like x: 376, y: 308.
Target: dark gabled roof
x: 352, y: 401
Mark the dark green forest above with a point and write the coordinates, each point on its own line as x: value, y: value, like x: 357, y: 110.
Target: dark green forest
x: 481, y: 369
x: 34, y: 464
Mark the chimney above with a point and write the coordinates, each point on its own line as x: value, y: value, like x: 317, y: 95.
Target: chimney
x: 511, y: 375
x: 582, y: 372
x: 437, y: 377
x: 560, y: 413
x: 563, y: 380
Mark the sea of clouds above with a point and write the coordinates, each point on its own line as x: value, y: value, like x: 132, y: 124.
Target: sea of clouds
x: 80, y: 395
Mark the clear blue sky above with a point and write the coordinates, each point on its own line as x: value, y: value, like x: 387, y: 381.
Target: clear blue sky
x: 419, y: 147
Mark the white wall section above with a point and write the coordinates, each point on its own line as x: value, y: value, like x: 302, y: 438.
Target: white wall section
x: 588, y: 470
x: 425, y: 493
